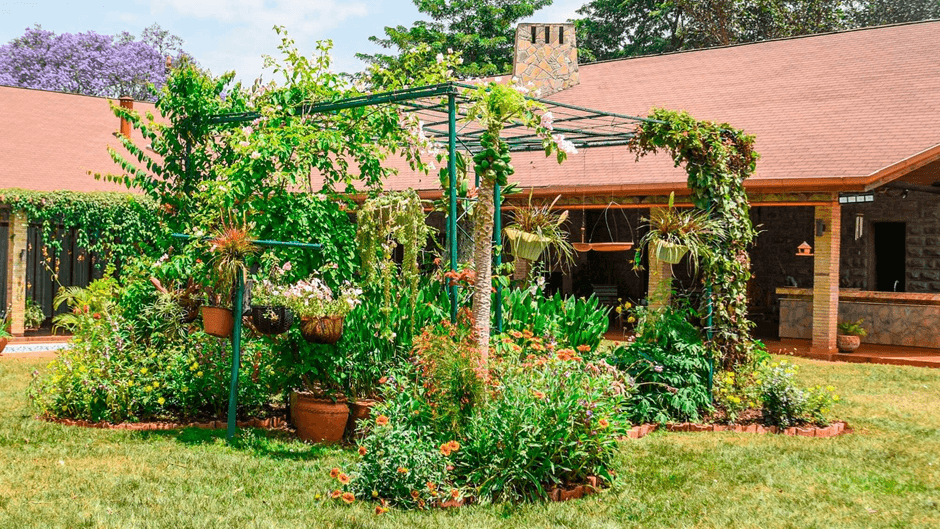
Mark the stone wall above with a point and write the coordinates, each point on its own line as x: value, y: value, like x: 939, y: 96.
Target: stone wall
x: 921, y: 213
x: 546, y: 54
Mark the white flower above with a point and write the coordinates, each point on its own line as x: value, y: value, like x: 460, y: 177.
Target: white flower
x: 248, y: 131
x: 287, y: 267
x: 450, y: 50
x: 244, y: 143
x: 547, y: 119
x: 459, y: 60
x: 440, y: 58
x: 255, y: 155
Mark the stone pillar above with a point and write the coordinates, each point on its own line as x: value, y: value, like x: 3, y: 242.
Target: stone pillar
x: 826, y: 277
x: 16, y: 271
x: 547, y: 56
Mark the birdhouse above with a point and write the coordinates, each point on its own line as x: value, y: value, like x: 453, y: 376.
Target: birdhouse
x: 804, y: 250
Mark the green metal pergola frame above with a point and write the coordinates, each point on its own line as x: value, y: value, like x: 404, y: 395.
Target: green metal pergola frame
x: 437, y: 106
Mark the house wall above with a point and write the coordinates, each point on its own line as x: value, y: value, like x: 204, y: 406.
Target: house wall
x: 921, y: 212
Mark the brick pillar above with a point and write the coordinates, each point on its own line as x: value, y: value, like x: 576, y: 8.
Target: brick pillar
x: 826, y: 278
x: 16, y: 271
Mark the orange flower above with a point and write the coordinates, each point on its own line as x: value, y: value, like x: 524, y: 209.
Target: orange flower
x: 380, y: 510
x: 402, y: 470
x: 383, y: 380
x: 420, y: 504
x: 334, y: 472
x: 362, y: 450
x: 431, y: 486
x: 584, y: 348
x: 445, y: 449
x: 538, y: 394
x: 603, y: 423
x: 516, y: 334
x: 335, y: 494
x: 454, y: 446
x: 381, y: 420
x: 415, y: 494
x: 343, y: 478
x: 349, y: 497
x: 454, y: 493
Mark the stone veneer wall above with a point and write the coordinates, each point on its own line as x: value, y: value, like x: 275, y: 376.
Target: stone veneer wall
x: 552, y: 66
x: 921, y: 212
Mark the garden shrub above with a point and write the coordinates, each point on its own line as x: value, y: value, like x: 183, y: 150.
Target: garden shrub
x: 669, y: 364
x: 537, y: 421
x: 784, y: 403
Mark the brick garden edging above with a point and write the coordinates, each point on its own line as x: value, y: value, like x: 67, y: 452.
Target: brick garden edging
x: 833, y: 430
x: 272, y: 423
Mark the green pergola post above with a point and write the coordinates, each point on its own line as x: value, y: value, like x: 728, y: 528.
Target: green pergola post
x: 498, y: 242
x: 452, y: 176
x: 236, y: 357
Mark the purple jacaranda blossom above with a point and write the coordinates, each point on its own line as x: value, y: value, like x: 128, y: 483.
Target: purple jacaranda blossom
x: 90, y: 63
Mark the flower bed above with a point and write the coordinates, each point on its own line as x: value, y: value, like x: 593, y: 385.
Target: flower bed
x: 835, y: 429
x: 271, y: 423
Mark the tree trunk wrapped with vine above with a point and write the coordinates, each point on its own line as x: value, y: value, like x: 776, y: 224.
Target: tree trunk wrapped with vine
x: 717, y: 159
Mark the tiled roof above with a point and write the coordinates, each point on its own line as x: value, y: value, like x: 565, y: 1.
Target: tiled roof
x: 829, y: 111
x: 50, y: 140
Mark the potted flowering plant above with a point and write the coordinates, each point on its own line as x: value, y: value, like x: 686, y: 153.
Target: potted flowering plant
x: 321, y: 311
x: 534, y: 229
x: 229, y: 247
x: 269, y: 312
x: 849, y: 336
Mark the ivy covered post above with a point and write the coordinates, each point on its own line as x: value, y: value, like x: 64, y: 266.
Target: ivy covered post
x: 717, y: 159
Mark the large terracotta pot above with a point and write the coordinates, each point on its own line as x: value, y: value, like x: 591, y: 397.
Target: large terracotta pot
x: 847, y: 342
x: 359, y: 411
x: 318, y: 420
x: 669, y: 252
x: 326, y: 330
x: 218, y: 321
x: 3, y: 343
x: 271, y: 320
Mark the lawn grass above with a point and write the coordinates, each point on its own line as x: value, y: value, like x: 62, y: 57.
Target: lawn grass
x: 887, y: 474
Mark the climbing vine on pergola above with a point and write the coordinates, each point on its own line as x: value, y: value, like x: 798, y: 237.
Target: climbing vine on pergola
x: 717, y: 159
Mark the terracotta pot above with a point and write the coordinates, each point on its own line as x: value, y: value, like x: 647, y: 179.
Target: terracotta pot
x: 325, y: 330
x: 669, y: 252
x: 359, y: 411
x: 271, y: 320
x: 526, y: 245
x: 847, y: 342
x: 218, y: 321
x: 3, y: 343
x: 318, y: 420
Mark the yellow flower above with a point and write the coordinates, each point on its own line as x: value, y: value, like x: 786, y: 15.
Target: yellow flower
x: 143, y: 371
x: 130, y: 384
x: 156, y: 385
x: 161, y: 400
x: 199, y: 374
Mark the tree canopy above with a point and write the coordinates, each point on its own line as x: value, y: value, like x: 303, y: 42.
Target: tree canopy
x: 90, y: 63
x: 612, y: 29
x: 482, y: 30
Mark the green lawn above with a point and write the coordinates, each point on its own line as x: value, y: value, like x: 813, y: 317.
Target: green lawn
x: 885, y: 475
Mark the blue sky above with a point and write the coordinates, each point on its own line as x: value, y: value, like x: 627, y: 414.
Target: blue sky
x: 233, y: 35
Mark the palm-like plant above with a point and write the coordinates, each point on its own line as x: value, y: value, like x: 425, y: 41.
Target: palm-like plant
x: 543, y: 224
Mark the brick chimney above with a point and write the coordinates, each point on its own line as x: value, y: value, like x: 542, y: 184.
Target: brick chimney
x: 547, y: 55
x: 128, y: 103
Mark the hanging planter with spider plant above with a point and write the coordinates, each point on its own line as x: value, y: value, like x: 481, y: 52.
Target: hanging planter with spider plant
x: 534, y: 229
x: 673, y: 233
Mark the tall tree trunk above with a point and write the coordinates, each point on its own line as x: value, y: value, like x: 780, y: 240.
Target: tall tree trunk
x: 483, y: 264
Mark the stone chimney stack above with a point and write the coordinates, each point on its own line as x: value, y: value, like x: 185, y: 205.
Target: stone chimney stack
x: 547, y: 55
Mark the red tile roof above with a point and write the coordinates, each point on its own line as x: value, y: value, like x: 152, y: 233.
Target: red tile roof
x: 50, y: 140
x: 829, y: 111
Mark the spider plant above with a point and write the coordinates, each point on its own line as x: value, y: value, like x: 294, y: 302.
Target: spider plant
x: 690, y: 228
x: 545, y: 224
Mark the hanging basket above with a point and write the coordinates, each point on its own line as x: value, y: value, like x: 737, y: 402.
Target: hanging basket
x: 670, y: 252
x: 271, y: 320
x: 323, y: 330
x: 526, y: 245
x: 217, y: 321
